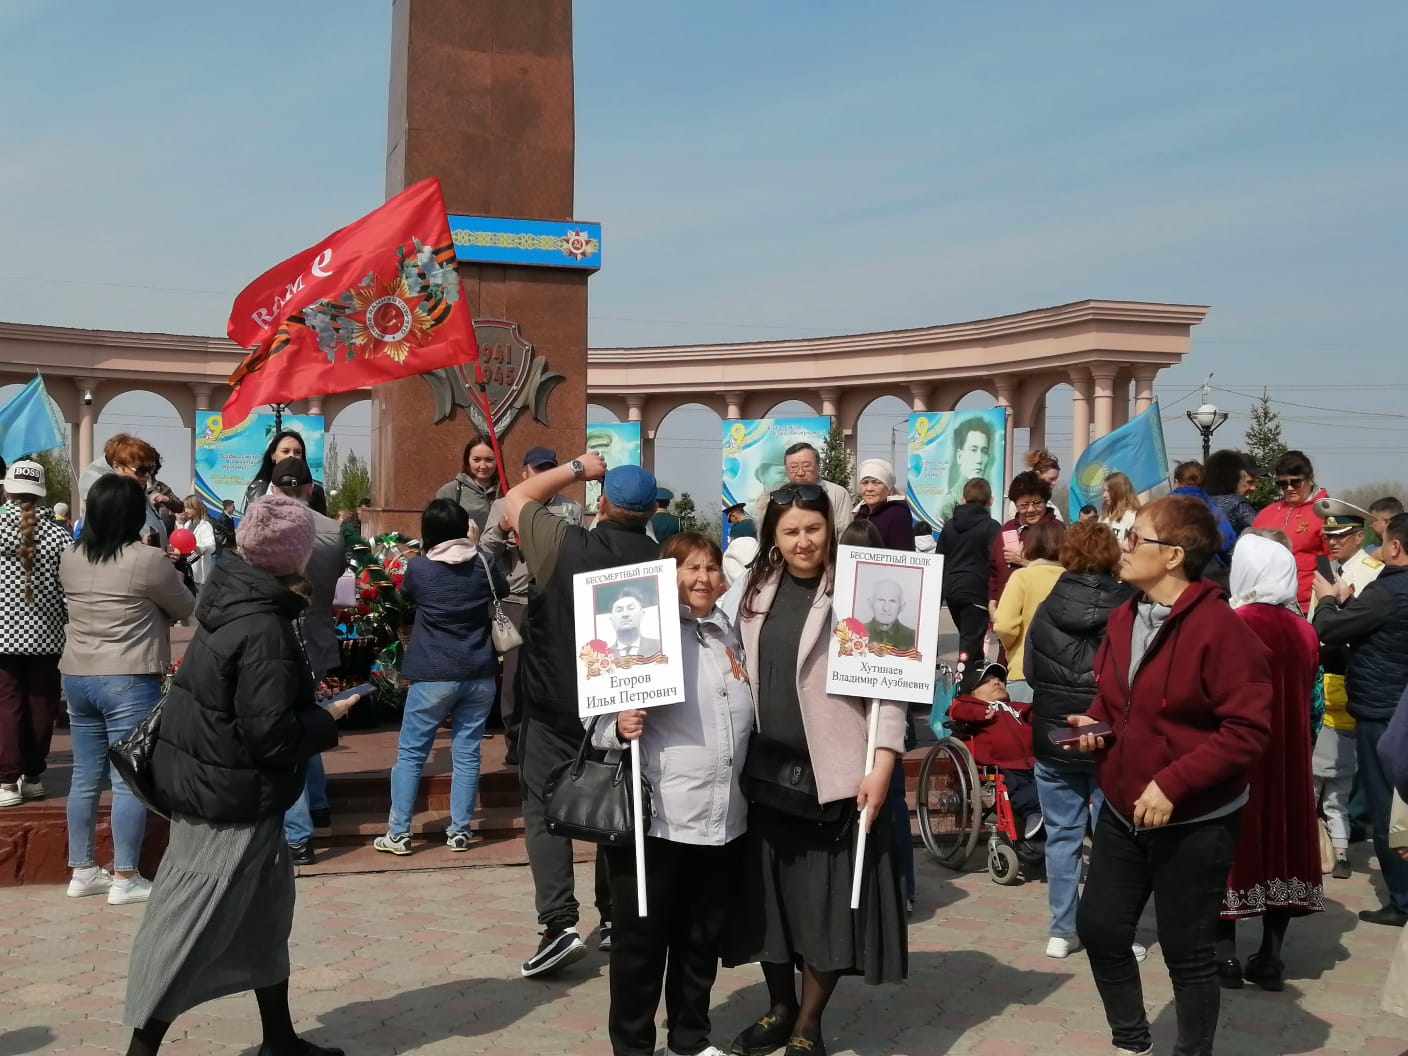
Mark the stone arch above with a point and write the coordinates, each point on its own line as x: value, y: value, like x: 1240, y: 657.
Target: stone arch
x: 964, y: 394
x: 881, y: 430
x: 153, y: 415
x: 687, y: 451
x: 776, y: 405
x: 599, y: 411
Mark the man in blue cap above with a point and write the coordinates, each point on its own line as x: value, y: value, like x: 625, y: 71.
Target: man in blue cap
x: 551, y: 731
x: 664, y: 524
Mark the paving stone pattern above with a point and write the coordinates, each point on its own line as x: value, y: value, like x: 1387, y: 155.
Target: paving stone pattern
x: 427, y: 962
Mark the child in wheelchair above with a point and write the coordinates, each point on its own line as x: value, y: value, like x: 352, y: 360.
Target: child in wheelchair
x: 999, y: 737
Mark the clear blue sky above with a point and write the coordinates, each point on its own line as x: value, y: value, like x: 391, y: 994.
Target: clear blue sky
x: 761, y: 174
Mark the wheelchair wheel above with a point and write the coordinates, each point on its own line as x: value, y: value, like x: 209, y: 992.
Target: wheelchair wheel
x: 950, y: 803
x: 1003, y: 865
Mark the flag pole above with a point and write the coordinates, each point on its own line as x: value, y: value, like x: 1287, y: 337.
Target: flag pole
x: 871, y: 735
x: 637, y: 794
x: 489, y: 422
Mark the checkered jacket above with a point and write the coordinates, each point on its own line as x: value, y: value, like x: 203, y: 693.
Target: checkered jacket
x: 37, y: 629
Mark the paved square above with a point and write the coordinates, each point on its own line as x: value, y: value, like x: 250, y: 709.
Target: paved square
x: 427, y: 962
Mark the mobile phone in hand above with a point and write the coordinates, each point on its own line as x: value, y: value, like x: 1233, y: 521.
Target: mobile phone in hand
x: 1071, y: 735
x: 1323, y: 566
x: 366, y: 689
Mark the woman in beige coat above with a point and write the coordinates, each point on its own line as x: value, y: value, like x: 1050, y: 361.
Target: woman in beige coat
x: 807, y: 788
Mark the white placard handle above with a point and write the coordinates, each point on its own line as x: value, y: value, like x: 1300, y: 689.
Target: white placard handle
x: 639, y: 827
x: 872, y: 733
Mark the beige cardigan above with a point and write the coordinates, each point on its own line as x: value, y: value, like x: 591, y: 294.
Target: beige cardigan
x: 120, y: 612
x: 835, y: 726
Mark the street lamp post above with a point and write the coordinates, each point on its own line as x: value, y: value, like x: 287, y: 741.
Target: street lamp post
x: 1207, y: 419
x: 903, y: 423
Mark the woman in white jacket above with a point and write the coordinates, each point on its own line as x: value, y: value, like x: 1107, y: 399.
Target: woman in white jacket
x: 691, y: 753
x: 195, y: 520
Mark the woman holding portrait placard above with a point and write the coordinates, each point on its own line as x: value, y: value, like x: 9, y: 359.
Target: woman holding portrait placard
x: 800, y: 850
x: 691, y: 754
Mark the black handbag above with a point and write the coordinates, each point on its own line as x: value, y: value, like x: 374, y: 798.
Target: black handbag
x: 778, y: 778
x: 131, y: 757
x: 590, y: 799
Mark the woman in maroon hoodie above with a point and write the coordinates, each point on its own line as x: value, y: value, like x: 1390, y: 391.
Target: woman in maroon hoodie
x: 1186, y: 686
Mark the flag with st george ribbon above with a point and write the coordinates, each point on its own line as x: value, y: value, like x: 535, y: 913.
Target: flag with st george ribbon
x: 1135, y: 449
x: 379, y: 299
x: 28, y: 423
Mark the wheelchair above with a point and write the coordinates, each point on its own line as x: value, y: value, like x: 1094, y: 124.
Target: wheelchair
x: 961, y: 800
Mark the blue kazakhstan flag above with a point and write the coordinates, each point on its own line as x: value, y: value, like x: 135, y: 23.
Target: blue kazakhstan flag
x: 1135, y: 449
x: 27, y: 423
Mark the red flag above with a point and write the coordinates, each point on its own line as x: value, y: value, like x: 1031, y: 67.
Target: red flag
x: 378, y: 300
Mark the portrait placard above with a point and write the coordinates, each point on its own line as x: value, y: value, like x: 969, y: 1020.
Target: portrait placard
x: 628, y: 638
x: 887, y: 624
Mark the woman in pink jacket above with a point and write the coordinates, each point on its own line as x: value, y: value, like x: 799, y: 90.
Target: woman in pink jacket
x: 807, y: 789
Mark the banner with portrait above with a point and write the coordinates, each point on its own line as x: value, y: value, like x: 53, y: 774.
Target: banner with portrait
x: 618, y: 443
x: 753, y: 455
x: 226, y: 460
x: 946, y: 450
x: 627, y: 623
x: 885, y: 640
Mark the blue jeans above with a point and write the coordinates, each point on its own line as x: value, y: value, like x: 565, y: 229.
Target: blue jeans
x: 1066, y: 793
x: 428, y: 704
x: 298, y: 819
x: 1378, y: 794
x: 101, y: 711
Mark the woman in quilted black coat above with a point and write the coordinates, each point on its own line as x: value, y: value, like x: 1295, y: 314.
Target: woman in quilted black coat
x: 1067, y: 630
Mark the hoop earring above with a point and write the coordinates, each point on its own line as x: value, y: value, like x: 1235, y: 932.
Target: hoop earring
x: 774, y: 556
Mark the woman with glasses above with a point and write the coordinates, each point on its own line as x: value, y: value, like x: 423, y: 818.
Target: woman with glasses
x: 1030, y: 496
x: 1294, y: 513
x: 127, y: 456
x: 122, y: 599
x: 800, y: 849
x: 286, y: 444
x: 1186, y: 687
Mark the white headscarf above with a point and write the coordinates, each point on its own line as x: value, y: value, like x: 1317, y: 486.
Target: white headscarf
x: 1263, y: 573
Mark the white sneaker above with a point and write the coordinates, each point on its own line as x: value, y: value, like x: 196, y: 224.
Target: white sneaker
x: 1058, y: 947
x: 708, y: 1050
x: 1140, y: 951
x: 10, y: 796
x: 126, y: 892
x: 90, y: 881
x: 31, y: 789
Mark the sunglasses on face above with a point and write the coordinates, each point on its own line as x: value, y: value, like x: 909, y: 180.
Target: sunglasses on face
x: 144, y: 471
x: 793, y: 492
x: 1285, y: 483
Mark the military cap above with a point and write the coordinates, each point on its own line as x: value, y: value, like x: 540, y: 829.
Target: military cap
x: 1340, y: 517
x: 664, y: 495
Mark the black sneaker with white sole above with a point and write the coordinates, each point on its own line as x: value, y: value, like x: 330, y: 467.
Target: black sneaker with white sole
x: 560, y: 947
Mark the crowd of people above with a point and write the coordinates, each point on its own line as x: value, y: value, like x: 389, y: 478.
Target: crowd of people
x: 1231, y: 680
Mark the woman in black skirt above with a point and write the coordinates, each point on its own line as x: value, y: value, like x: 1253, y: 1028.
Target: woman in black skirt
x: 801, y: 848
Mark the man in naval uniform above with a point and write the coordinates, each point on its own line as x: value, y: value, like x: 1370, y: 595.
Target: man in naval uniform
x: 1334, y: 761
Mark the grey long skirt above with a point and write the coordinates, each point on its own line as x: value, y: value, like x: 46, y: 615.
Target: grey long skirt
x: 217, y: 921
